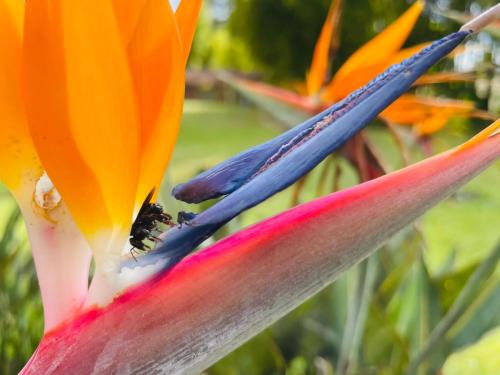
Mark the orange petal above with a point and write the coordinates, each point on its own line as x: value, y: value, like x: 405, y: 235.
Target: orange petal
x: 480, y: 137
x: 441, y: 116
x: 405, y: 111
x: 410, y: 110
x: 156, y: 59
x: 187, y: 16
x: 405, y: 53
x: 18, y: 159
x: 445, y: 77
x: 433, y: 123
x: 436, y: 102
x: 342, y: 85
x: 81, y: 108
x: 127, y: 15
x: 319, y: 67
x: 388, y: 41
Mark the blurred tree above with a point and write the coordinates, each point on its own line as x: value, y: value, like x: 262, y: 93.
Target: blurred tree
x: 215, y: 46
x: 280, y: 33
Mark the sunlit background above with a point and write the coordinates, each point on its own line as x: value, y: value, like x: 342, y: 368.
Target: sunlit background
x: 376, y: 319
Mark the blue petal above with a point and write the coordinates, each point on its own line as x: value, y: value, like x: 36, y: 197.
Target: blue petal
x: 231, y: 174
x: 263, y: 171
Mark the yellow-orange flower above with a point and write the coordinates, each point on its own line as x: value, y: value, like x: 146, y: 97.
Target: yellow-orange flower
x: 429, y: 115
x: 319, y: 66
x: 91, y: 93
x: 367, y: 62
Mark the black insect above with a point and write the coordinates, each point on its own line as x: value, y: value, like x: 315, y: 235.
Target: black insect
x: 146, y: 225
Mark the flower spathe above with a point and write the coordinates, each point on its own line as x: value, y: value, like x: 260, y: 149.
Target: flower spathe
x: 92, y: 97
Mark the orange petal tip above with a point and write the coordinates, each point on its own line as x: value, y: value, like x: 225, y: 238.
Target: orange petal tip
x: 480, y: 137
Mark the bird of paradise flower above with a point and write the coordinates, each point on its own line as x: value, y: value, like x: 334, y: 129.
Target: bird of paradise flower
x: 429, y: 114
x: 90, y: 110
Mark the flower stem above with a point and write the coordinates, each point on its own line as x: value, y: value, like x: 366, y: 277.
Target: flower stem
x: 62, y: 260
